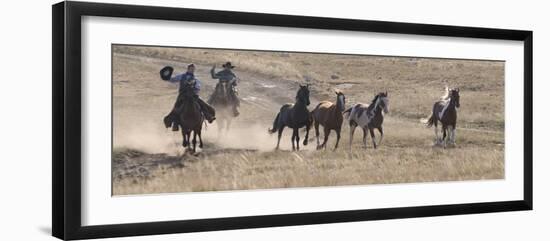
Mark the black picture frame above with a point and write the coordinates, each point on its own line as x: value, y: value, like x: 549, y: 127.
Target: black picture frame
x: 66, y: 164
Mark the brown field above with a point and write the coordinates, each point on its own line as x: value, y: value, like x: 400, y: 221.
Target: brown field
x: 147, y: 158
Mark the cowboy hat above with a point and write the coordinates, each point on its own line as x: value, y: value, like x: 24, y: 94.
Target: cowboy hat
x: 228, y: 65
x: 166, y: 73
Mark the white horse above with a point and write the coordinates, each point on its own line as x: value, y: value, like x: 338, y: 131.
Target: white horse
x: 368, y: 117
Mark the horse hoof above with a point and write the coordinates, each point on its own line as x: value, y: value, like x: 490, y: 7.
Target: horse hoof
x: 305, y: 142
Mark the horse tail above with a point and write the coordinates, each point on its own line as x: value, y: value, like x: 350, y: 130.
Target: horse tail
x: 429, y: 121
x: 347, y: 112
x: 313, y: 113
x: 275, y: 122
x: 312, y: 118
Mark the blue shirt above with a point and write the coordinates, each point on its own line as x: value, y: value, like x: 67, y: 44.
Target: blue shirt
x: 187, y: 77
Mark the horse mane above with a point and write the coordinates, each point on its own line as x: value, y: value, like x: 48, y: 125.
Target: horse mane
x: 374, y: 100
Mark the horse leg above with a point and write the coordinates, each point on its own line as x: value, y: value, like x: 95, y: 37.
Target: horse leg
x: 317, y: 134
x: 327, y: 133
x: 453, y: 132
x: 294, y: 130
x: 188, y: 137
x: 200, y: 138
x: 184, y: 143
x: 297, y: 139
x: 381, y: 130
x: 337, y: 138
x: 279, y: 134
x: 365, y: 130
x: 451, y: 135
x: 194, y: 141
x: 351, y: 131
x: 308, y: 126
x: 436, y: 133
x: 444, y: 129
x: 371, y: 130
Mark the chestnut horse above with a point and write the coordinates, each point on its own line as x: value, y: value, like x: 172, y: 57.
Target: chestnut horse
x: 329, y: 115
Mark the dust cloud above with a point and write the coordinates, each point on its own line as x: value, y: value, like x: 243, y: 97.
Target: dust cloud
x: 151, y: 137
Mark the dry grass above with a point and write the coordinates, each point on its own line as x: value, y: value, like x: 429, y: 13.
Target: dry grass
x: 244, y: 159
x: 393, y: 162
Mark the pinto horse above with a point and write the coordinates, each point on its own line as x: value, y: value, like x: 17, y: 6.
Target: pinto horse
x: 445, y: 111
x: 329, y: 115
x: 190, y: 118
x: 368, y: 117
x: 294, y: 116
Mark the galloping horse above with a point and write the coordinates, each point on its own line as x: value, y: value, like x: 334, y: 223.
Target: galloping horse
x: 221, y: 100
x: 329, y: 115
x: 368, y: 117
x: 445, y: 111
x: 190, y: 118
x: 294, y: 116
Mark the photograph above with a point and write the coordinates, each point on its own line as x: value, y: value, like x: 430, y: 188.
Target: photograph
x: 189, y: 119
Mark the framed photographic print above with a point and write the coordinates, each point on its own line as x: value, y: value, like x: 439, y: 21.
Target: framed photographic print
x: 169, y: 120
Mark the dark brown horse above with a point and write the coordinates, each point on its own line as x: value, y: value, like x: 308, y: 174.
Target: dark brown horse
x: 190, y: 118
x: 294, y: 116
x: 445, y: 111
x: 368, y: 117
x: 329, y: 115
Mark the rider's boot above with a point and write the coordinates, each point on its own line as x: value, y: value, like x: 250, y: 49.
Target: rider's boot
x: 209, y: 117
x: 175, y: 127
x: 170, y: 121
x: 167, y: 121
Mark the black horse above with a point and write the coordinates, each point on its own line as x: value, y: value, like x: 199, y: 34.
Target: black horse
x: 445, y: 111
x: 294, y: 116
x: 190, y: 117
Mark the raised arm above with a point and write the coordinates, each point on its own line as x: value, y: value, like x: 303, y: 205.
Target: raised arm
x: 213, y: 73
x: 175, y: 79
